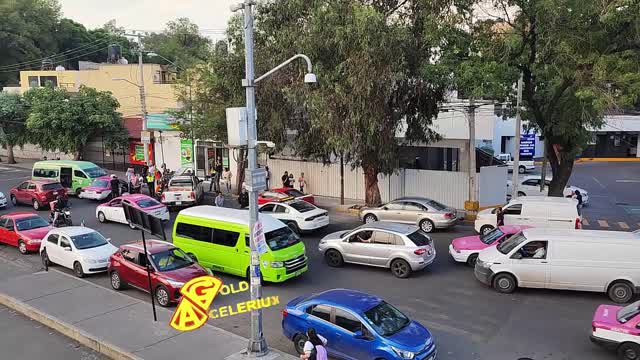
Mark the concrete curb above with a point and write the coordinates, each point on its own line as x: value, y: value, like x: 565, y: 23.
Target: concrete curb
x: 68, y: 330
x: 347, y: 210
x: 583, y: 160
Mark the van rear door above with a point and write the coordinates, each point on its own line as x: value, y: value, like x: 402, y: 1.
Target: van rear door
x: 562, y: 217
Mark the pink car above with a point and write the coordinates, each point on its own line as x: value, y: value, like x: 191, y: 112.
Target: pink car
x: 112, y: 210
x: 466, y: 249
x: 100, y: 189
x: 618, y: 328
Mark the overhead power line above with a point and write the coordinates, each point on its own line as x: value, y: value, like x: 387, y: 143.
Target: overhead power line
x: 37, y: 68
x: 55, y: 57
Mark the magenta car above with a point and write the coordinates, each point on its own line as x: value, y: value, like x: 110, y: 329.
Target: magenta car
x: 113, y: 211
x: 100, y: 189
x: 466, y: 249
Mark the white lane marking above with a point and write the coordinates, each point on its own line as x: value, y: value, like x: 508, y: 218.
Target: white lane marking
x: 585, y: 222
x: 20, y: 178
x: 628, y: 181
x: 603, y: 223
x: 623, y: 225
x: 599, y: 183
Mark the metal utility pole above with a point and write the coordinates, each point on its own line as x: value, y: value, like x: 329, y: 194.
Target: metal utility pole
x: 516, y: 153
x: 543, y: 176
x: 143, y: 100
x: 257, y: 343
x: 472, y: 150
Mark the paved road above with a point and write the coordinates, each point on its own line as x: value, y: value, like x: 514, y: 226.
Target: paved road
x: 24, y: 339
x: 469, y: 320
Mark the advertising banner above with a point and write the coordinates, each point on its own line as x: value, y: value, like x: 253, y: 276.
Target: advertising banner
x: 186, y: 153
x: 527, y: 145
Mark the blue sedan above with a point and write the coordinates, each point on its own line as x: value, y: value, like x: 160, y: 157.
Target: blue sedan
x: 357, y: 326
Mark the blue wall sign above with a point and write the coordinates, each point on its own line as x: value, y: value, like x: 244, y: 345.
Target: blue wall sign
x: 527, y: 145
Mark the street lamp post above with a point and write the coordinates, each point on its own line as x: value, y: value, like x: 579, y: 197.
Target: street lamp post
x: 257, y: 343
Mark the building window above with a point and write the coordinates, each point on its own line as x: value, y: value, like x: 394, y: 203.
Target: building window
x: 49, y: 81
x: 33, y: 82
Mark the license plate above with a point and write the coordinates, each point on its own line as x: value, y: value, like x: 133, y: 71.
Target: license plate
x: 178, y: 202
x: 299, y: 272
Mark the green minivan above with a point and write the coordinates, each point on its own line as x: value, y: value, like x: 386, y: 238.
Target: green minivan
x: 71, y: 174
x: 218, y: 239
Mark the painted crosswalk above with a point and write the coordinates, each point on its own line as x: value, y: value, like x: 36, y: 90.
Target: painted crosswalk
x: 606, y: 224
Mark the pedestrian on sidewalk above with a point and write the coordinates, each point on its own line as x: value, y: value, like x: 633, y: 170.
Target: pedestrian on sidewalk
x: 219, y: 171
x: 499, y: 216
x: 302, y: 182
x: 219, y: 200
x: 226, y: 176
x: 285, y: 179
x: 292, y: 181
x: 266, y: 168
x: 243, y: 199
x: 135, y: 184
x: 115, y: 186
x: 314, y: 347
x: 151, y: 183
x: 212, y: 178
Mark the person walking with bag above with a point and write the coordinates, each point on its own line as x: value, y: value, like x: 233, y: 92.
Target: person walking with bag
x: 314, y: 347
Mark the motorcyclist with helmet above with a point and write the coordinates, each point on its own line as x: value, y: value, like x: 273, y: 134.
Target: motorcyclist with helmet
x: 61, y: 203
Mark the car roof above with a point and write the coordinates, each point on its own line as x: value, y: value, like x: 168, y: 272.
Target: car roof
x: 153, y: 246
x: 414, y: 198
x: 236, y: 216
x: 404, y: 229
x: 581, y: 235
x: 351, y: 299
x: 508, y: 229
x: 73, y: 230
x: 135, y: 197
x: 81, y: 164
x: 19, y: 214
x: 544, y: 199
x: 42, y: 182
x: 182, y: 177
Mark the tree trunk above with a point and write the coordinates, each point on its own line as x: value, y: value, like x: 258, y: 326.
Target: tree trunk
x: 10, y: 158
x: 76, y: 155
x: 561, y: 168
x: 372, y: 192
x: 242, y: 165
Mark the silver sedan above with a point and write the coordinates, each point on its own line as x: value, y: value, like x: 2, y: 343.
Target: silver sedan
x: 401, y: 248
x: 428, y: 214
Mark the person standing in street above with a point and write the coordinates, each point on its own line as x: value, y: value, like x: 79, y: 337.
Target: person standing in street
x: 292, y: 181
x: 130, y: 175
x: 151, y: 183
x: 314, y: 347
x: 499, y: 216
x: 115, y: 186
x: 578, y: 197
x: 302, y: 182
x: 219, y: 200
x: 266, y: 169
x: 243, y: 199
x: 285, y: 179
x: 219, y: 171
x: 226, y: 177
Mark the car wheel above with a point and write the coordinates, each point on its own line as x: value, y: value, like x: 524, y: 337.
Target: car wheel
x: 369, y: 218
x: 427, y: 225
x: 78, y: 191
x: 629, y: 351
x: 400, y: 268
x: 116, y: 281
x: 77, y: 269
x: 101, y: 217
x: 504, y: 283
x: 298, y: 342
x: 162, y: 296
x: 520, y: 194
x: 22, y: 247
x: 333, y: 258
x: 472, y: 259
x: 522, y: 170
x: 36, y: 205
x: 485, y: 229
x: 45, y: 258
x: 14, y: 201
x: 294, y: 227
x: 620, y: 292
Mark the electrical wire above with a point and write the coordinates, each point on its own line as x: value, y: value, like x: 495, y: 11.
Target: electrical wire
x: 37, y: 68
x: 54, y: 56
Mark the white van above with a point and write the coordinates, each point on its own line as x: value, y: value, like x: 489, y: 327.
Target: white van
x: 545, y: 212
x: 585, y: 260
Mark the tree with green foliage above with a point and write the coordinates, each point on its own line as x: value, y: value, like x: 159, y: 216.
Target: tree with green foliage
x: 180, y: 42
x: 579, y: 60
x: 13, y: 116
x: 63, y: 121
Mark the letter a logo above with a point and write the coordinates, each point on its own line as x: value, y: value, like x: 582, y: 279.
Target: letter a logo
x: 197, y: 296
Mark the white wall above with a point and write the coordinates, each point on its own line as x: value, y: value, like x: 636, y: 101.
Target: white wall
x: 508, y: 128
x: 492, y: 185
x: 170, y: 145
x: 454, y: 125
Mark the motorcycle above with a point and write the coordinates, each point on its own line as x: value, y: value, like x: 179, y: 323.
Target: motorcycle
x: 64, y: 218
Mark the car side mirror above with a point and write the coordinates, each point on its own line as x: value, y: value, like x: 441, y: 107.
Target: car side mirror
x: 517, y: 255
x: 358, y: 335
x: 67, y: 248
x: 109, y: 240
x: 385, y: 208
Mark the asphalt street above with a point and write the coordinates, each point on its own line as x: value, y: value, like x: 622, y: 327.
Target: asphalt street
x: 25, y: 339
x: 469, y: 320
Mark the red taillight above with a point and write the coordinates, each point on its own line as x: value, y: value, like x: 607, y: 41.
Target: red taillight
x: 192, y: 195
x: 449, y: 216
x: 162, y: 197
x: 420, y: 251
x: 578, y: 223
x: 98, y: 192
x: 284, y: 313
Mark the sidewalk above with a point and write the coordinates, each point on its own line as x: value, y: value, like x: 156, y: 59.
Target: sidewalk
x: 113, y: 323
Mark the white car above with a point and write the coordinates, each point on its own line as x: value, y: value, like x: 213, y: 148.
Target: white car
x: 3, y: 201
x: 79, y: 248
x: 299, y: 215
x: 530, y: 186
x: 523, y: 165
x: 113, y: 211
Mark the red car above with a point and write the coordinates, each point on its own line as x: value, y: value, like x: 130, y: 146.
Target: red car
x: 272, y: 196
x: 38, y: 193
x: 297, y: 194
x: 172, y: 268
x: 24, y: 230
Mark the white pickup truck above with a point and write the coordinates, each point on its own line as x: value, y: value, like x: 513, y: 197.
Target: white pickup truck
x: 523, y: 165
x: 182, y: 191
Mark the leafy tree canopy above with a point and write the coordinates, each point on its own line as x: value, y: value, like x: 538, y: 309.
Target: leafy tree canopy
x: 181, y: 43
x: 13, y: 115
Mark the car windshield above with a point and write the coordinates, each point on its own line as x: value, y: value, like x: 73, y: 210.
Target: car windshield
x: 146, y: 203
x: 171, y: 260
x: 386, y: 319
x: 29, y: 223
x: 52, y: 186
x: 302, y: 206
x: 506, y: 246
x: 628, y: 312
x: 100, y: 183
x: 491, y: 236
x: 436, y: 205
x: 294, y: 193
x: 88, y: 240
x: 419, y: 238
x: 95, y: 172
x: 281, y: 238
x: 181, y: 183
